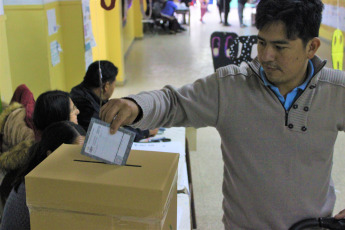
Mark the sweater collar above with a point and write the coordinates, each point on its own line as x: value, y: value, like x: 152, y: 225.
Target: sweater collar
x: 316, y: 61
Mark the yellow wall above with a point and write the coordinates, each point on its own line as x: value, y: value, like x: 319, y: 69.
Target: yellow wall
x: 73, y: 42
x: 128, y: 30
x: 5, y: 73
x: 28, y: 60
x: 57, y: 72
x: 27, y: 47
x: 112, y: 38
x: 137, y: 17
x: 107, y: 30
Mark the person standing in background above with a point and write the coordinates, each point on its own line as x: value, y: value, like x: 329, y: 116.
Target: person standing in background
x: 220, y: 5
x: 203, y: 8
x: 240, y: 7
x: 226, y: 7
x: 187, y: 2
x: 167, y: 13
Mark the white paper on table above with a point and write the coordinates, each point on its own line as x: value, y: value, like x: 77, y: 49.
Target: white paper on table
x: 170, y: 147
x: 52, y: 27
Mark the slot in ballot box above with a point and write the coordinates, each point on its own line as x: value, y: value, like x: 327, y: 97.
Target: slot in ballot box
x: 71, y: 191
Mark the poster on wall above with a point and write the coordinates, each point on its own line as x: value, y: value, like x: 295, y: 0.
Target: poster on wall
x: 52, y: 26
x: 1, y: 7
x: 55, y: 50
x: 89, y: 40
x: 334, y: 17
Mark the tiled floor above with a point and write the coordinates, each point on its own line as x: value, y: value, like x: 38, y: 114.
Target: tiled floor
x: 157, y: 60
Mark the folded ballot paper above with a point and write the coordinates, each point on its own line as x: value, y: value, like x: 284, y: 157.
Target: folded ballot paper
x: 109, y: 148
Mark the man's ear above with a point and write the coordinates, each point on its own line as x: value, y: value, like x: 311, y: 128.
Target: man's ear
x: 106, y: 87
x: 312, y: 46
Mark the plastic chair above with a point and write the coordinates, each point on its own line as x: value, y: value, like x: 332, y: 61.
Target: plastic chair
x: 229, y: 48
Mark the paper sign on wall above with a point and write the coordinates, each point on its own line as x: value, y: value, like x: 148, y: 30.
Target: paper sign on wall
x: 88, y: 34
x: 52, y: 27
x: 1, y: 7
x: 55, y: 50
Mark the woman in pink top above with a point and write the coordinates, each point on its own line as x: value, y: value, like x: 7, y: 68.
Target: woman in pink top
x: 203, y: 7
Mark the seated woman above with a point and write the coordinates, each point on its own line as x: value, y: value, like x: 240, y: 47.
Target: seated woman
x: 53, y: 106
x: 16, y: 213
x: 87, y: 95
x: 168, y: 13
x: 50, y: 107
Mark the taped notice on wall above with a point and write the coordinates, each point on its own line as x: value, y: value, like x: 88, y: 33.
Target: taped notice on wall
x: 1, y: 7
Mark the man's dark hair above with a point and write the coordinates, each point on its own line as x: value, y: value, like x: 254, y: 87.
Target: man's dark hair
x: 109, y: 73
x: 302, y: 18
x: 50, y: 107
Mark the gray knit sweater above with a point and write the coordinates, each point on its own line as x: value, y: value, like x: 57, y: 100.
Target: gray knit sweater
x: 277, y: 163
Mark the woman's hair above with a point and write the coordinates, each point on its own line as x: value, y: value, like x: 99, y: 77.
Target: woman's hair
x: 50, y: 107
x: 109, y: 72
x: 56, y: 134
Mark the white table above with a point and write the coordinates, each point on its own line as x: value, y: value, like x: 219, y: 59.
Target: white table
x: 184, y: 187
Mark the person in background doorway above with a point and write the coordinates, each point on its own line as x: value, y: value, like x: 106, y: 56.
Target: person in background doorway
x: 226, y: 8
x: 203, y: 9
x: 87, y: 95
x: 16, y: 213
x: 220, y: 6
x: 240, y: 6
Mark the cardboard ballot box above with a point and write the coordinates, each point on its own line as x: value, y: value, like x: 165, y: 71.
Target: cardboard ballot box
x: 71, y: 191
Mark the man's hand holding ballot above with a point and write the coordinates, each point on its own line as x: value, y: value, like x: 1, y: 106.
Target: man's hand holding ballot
x: 124, y: 111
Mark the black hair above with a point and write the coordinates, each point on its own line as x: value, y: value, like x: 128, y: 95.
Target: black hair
x: 109, y: 73
x: 302, y: 18
x: 50, y: 107
x: 56, y: 134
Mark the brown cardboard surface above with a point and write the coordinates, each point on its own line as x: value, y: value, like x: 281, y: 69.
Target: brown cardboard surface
x: 57, y: 220
x: 75, y: 185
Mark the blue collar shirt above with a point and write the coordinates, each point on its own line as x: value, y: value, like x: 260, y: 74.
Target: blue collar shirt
x: 290, y: 97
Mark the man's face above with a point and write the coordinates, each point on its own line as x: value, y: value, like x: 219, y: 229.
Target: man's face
x: 108, y: 90
x: 283, y: 60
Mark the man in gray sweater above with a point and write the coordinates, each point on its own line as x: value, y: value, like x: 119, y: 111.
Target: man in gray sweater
x: 278, y: 118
